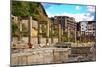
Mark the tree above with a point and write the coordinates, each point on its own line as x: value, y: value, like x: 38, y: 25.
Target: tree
x: 20, y: 8
x: 25, y: 9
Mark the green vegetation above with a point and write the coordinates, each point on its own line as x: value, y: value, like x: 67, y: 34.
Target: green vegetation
x: 14, y: 28
x: 20, y: 8
x: 25, y: 9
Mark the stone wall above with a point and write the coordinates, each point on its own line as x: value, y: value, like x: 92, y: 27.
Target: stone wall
x: 40, y: 56
x: 34, y: 41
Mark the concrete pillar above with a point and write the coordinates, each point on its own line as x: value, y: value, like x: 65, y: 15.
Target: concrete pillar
x: 30, y: 32
x: 80, y: 36
x: 17, y: 22
x: 68, y: 32
x: 47, y: 39
x: 19, y: 28
x: 38, y: 33
x: 59, y: 32
x: 75, y: 34
x: 84, y: 36
x: 52, y: 33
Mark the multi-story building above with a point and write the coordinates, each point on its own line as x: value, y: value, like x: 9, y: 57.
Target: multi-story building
x: 67, y: 26
x: 83, y: 25
x: 91, y: 30
x: 87, y: 30
x: 92, y: 27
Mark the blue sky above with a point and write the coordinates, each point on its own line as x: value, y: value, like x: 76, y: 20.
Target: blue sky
x: 79, y: 12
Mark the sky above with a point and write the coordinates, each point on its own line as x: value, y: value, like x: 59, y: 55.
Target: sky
x: 79, y: 12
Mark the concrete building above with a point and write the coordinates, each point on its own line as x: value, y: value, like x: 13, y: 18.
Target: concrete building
x: 86, y: 30
x: 67, y: 27
x: 83, y: 25
x: 92, y: 27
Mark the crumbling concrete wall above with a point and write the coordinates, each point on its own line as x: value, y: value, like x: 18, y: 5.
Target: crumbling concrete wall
x: 40, y: 56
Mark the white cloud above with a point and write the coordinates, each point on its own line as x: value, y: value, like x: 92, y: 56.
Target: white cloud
x: 77, y: 7
x: 88, y: 17
x: 91, y: 9
x: 78, y: 17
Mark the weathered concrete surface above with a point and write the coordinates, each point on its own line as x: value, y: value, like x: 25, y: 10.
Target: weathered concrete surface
x: 40, y: 56
x: 24, y: 41
x: 34, y: 40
